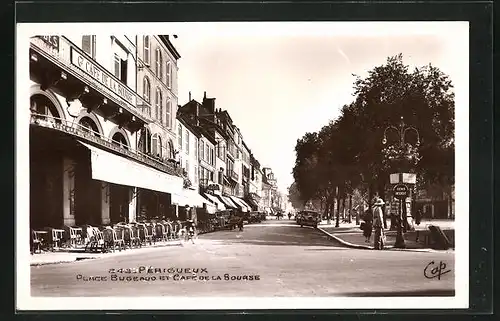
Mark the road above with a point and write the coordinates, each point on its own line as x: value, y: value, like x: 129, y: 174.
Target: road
x: 274, y: 258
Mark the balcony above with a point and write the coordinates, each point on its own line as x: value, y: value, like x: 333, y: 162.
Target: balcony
x: 77, y: 130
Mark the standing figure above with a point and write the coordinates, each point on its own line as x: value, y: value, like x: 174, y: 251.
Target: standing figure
x: 367, y: 226
x: 378, y: 225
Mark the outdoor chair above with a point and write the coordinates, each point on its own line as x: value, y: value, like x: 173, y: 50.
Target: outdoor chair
x: 151, y: 228
x: 161, y: 231
x: 94, y: 239
x: 120, y: 233
x: 74, y: 235
x: 111, y: 240
x: 37, y: 242
x: 144, y: 235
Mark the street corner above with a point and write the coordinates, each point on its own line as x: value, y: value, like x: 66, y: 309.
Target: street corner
x: 341, y: 239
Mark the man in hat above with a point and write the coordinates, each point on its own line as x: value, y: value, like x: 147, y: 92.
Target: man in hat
x: 378, y: 225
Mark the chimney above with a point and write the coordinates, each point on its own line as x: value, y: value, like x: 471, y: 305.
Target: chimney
x: 204, y: 95
x: 197, y: 115
x: 190, y: 96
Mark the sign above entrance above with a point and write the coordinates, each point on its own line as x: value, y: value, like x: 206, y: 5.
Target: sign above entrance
x: 102, y: 76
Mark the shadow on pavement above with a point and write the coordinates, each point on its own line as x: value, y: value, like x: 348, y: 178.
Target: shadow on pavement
x: 448, y: 292
x: 323, y: 243
x: 337, y: 248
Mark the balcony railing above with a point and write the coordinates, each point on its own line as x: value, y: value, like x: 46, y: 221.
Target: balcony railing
x: 87, y: 134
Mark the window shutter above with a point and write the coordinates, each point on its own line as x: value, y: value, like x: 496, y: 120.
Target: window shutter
x: 154, y: 145
x: 146, y: 50
x: 86, y: 44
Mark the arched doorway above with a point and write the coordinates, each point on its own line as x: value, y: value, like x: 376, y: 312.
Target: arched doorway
x: 46, y: 174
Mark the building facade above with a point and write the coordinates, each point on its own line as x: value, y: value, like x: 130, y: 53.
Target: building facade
x: 85, y: 125
x: 220, y: 132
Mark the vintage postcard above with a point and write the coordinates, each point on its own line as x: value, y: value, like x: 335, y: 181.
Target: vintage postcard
x: 242, y: 165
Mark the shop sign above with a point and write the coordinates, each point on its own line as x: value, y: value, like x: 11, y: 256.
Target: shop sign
x: 51, y: 41
x: 102, y: 76
x: 48, y: 44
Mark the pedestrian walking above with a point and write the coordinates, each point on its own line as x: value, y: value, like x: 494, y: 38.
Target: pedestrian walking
x: 379, y: 237
x: 367, y: 226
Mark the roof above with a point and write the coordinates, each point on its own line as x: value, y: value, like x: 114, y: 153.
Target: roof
x: 188, y: 126
x: 165, y: 39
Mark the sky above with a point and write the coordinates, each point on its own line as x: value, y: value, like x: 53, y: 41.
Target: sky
x: 279, y: 85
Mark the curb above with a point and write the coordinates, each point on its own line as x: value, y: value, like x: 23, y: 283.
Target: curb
x: 389, y: 247
x: 83, y: 256
x: 348, y: 244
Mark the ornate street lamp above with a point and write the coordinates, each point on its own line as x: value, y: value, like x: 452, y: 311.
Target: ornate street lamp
x: 401, y: 131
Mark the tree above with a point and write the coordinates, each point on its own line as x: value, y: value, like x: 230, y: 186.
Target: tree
x: 295, y: 198
x: 348, y: 153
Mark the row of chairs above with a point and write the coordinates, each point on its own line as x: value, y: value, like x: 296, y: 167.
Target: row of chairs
x: 92, y: 238
x: 133, y: 235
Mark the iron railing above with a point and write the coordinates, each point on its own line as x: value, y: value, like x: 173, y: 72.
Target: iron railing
x: 75, y: 129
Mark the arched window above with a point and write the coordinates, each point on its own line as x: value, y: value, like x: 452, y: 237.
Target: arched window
x: 41, y: 105
x: 89, y: 125
x: 154, y: 145
x: 160, y: 147
x: 169, y: 113
x: 169, y: 74
x: 144, y: 145
x: 147, y: 50
x: 146, y: 89
x: 159, y: 63
x: 120, y: 140
x: 159, y: 105
x: 171, y: 151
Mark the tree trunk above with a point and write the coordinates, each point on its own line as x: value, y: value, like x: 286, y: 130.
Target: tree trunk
x: 450, y: 204
x: 370, y: 196
x: 343, y: 208
x: 350, y: 209
x: 337, y: 216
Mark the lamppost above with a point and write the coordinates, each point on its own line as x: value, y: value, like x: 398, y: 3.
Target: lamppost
x: 401, y: 131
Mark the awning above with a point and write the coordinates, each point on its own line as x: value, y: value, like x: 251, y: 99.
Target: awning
x: 119, y: 170
x: 237, y: 200
x: 253, y: 203
x: 246, y: 204
x: 219, y: 204
x: 227, y: 202
x: 189, y: 197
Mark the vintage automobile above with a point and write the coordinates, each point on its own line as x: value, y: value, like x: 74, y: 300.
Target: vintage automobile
x: 309, y: 218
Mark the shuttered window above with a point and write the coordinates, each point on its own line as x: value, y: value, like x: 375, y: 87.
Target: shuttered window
x: 88, y: 45
x: 147, y: 50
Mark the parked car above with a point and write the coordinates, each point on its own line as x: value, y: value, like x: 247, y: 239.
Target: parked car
x: 308, y: 218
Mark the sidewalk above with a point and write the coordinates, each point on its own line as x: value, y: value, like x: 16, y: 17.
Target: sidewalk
x: 350, y: 235
x: 66, y: 256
